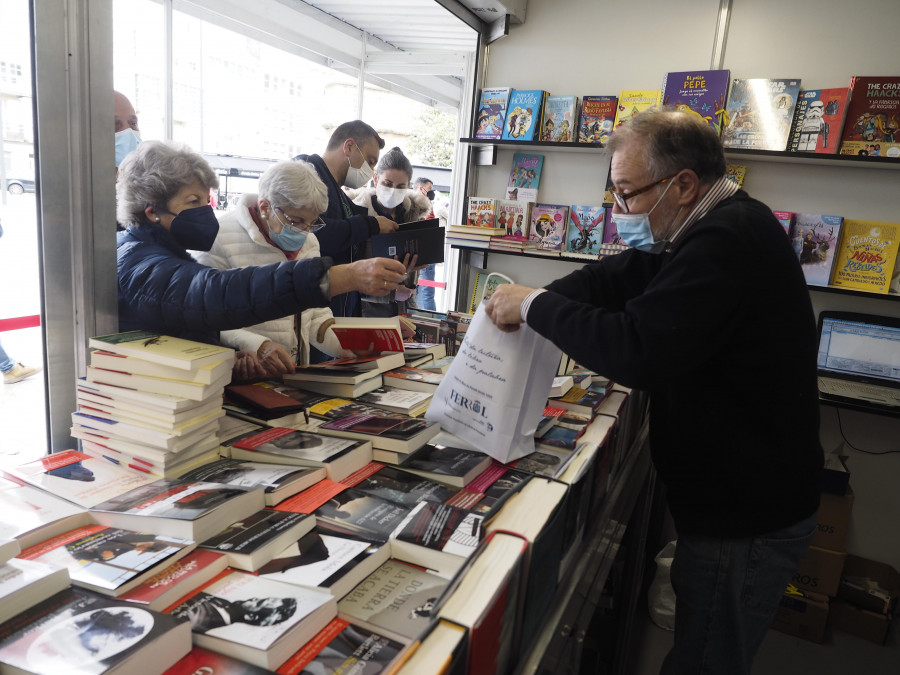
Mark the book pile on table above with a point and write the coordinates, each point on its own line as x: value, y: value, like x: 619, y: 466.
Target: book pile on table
x: 152, y: 402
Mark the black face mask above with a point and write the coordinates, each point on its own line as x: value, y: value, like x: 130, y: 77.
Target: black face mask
x: 430, y: 195
x: 195, y: 228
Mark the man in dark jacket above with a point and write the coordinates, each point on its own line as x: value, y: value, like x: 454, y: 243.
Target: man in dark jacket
x: 349, y: 158
x: 710, y: 313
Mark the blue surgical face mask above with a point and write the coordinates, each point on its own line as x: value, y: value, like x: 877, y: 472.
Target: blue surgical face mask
x: 290, y: 238
x: 634, y: 229
x: 195, y: 229
x: 127, y: 141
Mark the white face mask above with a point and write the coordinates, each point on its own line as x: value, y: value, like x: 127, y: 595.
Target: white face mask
x: 357, y: 177
x: 390, y: 197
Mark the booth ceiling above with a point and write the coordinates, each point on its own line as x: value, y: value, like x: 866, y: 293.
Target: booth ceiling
x: 422, y: 49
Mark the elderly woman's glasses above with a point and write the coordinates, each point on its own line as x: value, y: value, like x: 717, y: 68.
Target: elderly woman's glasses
x: 299, y: 225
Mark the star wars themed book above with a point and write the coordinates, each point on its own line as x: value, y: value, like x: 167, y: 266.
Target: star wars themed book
x: 759, y: 113
x: 818, y: 120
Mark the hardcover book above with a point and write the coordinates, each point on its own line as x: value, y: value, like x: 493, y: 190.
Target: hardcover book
x: 76, y: 631
x: 480, y: 212
x: 866, y: 256
x: 815, y: 239
x: 701, y: 92
x: 759, y: 113
x: 872, y: 126
x: 342, y: 648
x: 253, y: 541
x: 559, y: 121
x: 818, y: 120
x: 257, y: 620
x: 598, y: 116
x: 515, y: 217
x: 526, y: 171
x: 548, y: 225
x: 523, y: 114
x: 395, y: 600
x: 633, y: 101
x: 163, y: 349
x: 491, y: 113
x: 108, y: 560
x: 584, y: 234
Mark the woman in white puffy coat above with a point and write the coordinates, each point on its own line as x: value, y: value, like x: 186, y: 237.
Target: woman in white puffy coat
x: 273, y: 227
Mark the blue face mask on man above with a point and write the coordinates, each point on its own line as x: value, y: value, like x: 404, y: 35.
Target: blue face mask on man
x: 127, y: 141
x: 634, y: 229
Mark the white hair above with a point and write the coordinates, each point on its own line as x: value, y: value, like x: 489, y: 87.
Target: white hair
x: 153, y: 174
x: 293, y: 184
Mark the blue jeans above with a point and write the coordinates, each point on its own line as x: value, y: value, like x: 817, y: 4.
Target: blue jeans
x: 6, y: 363
x: 425, y: 294
x: 726, y: 594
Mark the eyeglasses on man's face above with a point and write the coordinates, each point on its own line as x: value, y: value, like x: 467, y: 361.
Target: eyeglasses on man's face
x: 623, y: 197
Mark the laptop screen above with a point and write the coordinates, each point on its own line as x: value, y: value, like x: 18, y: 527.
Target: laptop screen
x: 859, y: 347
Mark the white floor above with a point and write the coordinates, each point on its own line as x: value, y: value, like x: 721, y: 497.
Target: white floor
x: 23, y: 426
x: 781, y: 654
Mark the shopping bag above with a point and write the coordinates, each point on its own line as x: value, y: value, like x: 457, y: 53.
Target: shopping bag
x: 495, y: 391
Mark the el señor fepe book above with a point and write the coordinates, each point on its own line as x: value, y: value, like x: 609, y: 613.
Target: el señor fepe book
x: 523, y: 114
x: 818, y: 120
x: 491, y: 113
x: 872, y: 127
x: 700, y: 92
x: 598, y: 115
x: 760, y: 112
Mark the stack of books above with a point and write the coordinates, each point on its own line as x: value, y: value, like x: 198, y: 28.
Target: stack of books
x: 472, y: 236
x: 152, y: 402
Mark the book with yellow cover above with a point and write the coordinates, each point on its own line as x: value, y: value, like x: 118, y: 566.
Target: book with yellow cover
x: 633, y: 101
x: 866, y: 256
x: 163, y: 349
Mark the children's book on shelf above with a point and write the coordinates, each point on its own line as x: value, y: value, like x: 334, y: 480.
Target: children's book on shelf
x: 515, y: 217
x: 179, y: 507
x: 109, y: 560
x: 485, y: 285
x: 339, y: 457
x: 584, y: 234
x: 328, y: 562
x: 523, y: 114
x: 79, y: 478
x: 342, y: 648
x: 446, y: 464
x: 164, y: 587
x: 252, y: 618
x: 25, y: 583
x: 559, y: 123
x: 786, y: 220
x: 597, y: 118
x: 163, y: 349
x: 76, y: 631
x: 526, y: 170
x: 481, y: 212
x: 701, y: 92
x: 736, y: 173
x: 872, y: 126
x: 253, y: 541
x: 632, y: 101
x: 815, y: 239
x: 760, y: 111
x: 548, y: 225
x: 491, y: 112
x: 395, y: 600
x: 866, y: 256
x: 819, y: 120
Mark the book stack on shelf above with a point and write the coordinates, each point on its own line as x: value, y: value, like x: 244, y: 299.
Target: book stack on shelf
x: 152, y: 402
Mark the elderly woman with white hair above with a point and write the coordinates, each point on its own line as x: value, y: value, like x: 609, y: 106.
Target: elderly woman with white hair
x: 271, y: 227
x: 163, y: 199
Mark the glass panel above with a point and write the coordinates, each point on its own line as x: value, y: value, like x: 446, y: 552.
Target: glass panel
x: 23, y: 401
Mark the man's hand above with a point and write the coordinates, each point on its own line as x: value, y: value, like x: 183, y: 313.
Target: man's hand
x: 275, y: 359
x: 505, y: 306
x: 386, y: 225
x: 373, y: 276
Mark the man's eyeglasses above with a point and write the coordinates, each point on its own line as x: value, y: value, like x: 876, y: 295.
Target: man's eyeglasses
x: 299, y: 224
x: 623, y: 197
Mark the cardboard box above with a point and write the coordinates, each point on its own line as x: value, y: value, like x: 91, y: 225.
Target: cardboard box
x: 802, y: 613
x: 820, y: 571
x: 867, y: 599
x: 833, y: 520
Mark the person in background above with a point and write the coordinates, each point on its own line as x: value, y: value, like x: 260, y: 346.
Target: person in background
x: 12, y: 371
x: 391, y: 198
x: 272, y: 227
x: 128, y: 134
x: 425, y: 294
x: 730, y: 367
x: 163, y: 200
x: 352, y: 151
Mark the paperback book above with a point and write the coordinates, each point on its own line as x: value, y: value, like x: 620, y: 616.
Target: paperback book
x: 31, y: 515
x: 548, y: 226
x: 632, y: 101
x: 559, y: 121
x: 872, y: 127
x: 818, y: 120
x: 514, y: 216
x: 277, y: 480
x: 25, y: 583
x: 700, y: 92
x: 399, y: 486
x: 491, y: 113
x: 866, y: 256
x: 584, y: 234
x: 523, y: 114
x: 403, y: 401
x: 597, y: 118
x: 480, y: 212
x: 253, y: 541
x: 163, y: 349
x: 759, y: 113
x: 815, y: 239
x: 384, y: 430
x: 446, y: 464
x: 175, y: 580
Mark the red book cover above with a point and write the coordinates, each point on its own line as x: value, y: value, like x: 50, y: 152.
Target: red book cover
x: 175, y: 574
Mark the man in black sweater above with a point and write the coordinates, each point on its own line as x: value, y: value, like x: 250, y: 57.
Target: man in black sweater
x: 708, y: 312
x: 349, y: 158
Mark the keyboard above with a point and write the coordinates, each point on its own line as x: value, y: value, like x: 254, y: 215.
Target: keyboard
x: 859, y: 390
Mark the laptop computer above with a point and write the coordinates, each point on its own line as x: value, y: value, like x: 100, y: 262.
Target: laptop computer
x: 859, y: 358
